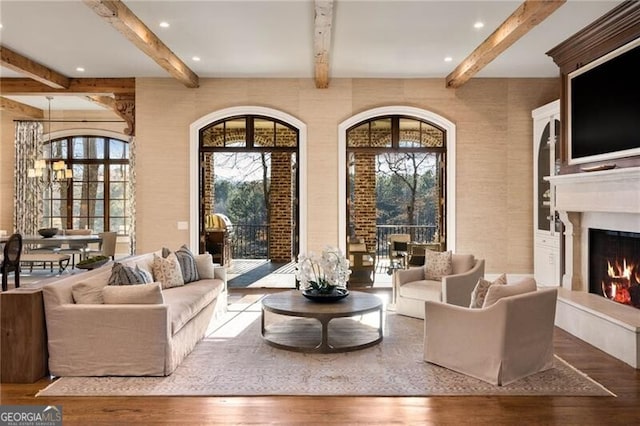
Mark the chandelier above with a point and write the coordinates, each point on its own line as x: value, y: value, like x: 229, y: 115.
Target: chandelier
x: 49, y: 173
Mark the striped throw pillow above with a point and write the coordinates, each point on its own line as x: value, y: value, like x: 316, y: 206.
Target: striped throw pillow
x: 187, y: 262
x: 126, y: 275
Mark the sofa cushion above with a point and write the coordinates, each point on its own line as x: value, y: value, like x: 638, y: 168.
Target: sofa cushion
x: 187, y: 301
x: 187, y: 263
x: 167, y: 271
x: 437, y: 264
x: 422, y: 290
x: 497, y: 292
x: 461, y: 263
x: 128, y: 275
x: 204, y: 264
x: 479, y: 292
x: 88, y: 292
x: 136, y: 294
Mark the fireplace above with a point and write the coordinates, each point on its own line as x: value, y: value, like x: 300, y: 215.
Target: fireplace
x: 614, y: 265
x: 588, y: 203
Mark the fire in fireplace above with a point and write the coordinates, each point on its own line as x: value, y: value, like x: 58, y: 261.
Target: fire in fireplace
x: 614, y: 265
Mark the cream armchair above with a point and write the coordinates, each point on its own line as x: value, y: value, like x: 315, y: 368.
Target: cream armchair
x: 411, y: 289
x: 499, y: 344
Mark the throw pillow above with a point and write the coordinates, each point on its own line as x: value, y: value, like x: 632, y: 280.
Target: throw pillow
x: 167, y: 271
x: 479, y: 293
x: 126, y: 275
x: 204, y: 264
x: 88, y: 292
x: 436, y: 264
x: 497, y: 292
x: 138, y: 294
x: 187, y: 263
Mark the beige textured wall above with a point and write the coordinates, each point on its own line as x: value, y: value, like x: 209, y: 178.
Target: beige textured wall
x: 7, y: 162
x: 494, y: 152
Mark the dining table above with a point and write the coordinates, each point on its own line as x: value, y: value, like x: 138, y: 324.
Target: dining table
x: 32, y: 241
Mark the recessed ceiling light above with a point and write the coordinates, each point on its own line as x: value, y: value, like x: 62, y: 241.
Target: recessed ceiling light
x: 0, y: 26
x: 448, y: 59
x: 80, y: 69
x: 164, y: 24
x: 478, y: 25
x: 196, y: 58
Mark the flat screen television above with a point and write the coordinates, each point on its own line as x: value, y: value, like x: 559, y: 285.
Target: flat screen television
x: 604, y: 107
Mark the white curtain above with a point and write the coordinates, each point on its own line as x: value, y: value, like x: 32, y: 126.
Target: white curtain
x: 27, y: 211
x: 131, y: 191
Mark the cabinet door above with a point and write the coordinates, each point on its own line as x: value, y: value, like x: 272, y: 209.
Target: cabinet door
x: 547, y: 265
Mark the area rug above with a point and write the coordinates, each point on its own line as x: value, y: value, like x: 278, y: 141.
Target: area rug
x: 246, y: 366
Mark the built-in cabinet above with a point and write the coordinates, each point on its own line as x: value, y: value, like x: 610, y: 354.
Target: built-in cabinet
x: 547, y: 261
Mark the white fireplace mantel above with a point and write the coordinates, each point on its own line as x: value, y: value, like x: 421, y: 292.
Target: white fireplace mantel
x: 605, y: 199
x: 611, y: 191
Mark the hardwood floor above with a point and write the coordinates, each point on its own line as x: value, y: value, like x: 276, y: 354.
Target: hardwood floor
x: 621, y: 379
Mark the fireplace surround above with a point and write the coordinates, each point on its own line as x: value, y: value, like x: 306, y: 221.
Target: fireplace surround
x: 608, y: 200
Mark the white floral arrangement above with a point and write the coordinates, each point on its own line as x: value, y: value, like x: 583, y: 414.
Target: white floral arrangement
x: 323, y: 273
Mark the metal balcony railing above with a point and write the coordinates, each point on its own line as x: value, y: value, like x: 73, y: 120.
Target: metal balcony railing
x: 252, y: 241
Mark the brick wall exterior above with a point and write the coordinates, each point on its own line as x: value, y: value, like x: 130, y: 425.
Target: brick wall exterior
x: 208, y: 189
x: 364, y: 202
x: 280, y: 208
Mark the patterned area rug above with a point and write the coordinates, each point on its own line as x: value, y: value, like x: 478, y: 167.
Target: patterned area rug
x: 244, y: 365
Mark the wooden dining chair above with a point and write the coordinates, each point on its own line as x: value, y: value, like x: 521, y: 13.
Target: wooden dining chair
x: 11, y: 260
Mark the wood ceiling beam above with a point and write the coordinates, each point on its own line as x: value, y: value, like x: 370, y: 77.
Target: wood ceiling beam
x: 129, y: 25
x: 122, y: 104
x: 34, y: 70
x: 322, y: 41
x: 22, y: 86
x: 526, y: 16
x: 19, y: 109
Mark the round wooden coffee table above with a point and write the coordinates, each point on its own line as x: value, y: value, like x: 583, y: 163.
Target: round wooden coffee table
x: 300, y: 332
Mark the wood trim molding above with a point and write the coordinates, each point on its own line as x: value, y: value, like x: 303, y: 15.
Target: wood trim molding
x: 521, y: 21
x: 19, y: 109
x: 18, y: 86
x: 322, y: 41
x: 128, y: 24
x: 614, y: 29
x: 34, y: 70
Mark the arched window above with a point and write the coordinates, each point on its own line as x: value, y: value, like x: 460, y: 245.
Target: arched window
x: 97, y: 197
x: 249, y: 172
x: 396, y: 168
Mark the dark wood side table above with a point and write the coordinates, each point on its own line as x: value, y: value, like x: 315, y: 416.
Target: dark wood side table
x: 23, y: 340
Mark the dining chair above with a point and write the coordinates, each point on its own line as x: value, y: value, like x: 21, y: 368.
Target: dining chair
x: 11, y: 260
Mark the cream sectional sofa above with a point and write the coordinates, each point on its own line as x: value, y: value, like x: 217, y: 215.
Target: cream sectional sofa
x: 128, y: 339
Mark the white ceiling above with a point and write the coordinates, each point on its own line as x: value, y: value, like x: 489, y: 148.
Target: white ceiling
x: 269, y: 38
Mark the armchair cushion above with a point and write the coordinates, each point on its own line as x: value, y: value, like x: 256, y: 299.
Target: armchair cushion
x: 437, y: 264
x: 497, y: 292
x: 479, y: 293
x: 423, y: 290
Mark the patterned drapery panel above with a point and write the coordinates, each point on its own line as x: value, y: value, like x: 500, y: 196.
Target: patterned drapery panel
x: 131, y: 190
x: 27, y: 211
